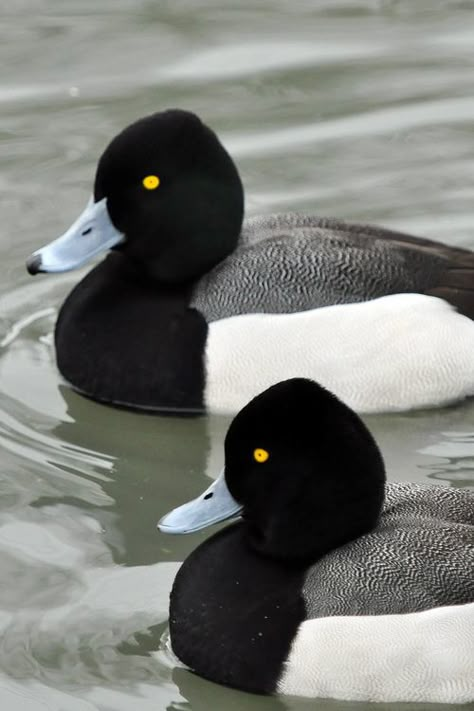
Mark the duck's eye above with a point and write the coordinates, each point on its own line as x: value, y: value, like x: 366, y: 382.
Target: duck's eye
x: 151, y: 182
x: 260, y: 455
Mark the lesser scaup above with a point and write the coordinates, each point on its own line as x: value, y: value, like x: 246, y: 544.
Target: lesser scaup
x: 168, y: 201
x: 334, y: 583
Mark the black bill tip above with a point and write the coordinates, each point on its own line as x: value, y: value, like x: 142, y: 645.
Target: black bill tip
x: 33, y: 264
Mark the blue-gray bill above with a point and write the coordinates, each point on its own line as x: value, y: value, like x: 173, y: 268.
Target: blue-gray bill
x: 214, y: 505
x: 91, y: 234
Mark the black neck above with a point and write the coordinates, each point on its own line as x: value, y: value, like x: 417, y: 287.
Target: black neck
x: 125, y: 339
x: 234, y: 613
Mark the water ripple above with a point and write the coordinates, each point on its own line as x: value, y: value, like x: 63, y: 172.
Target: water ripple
x: 228, y: 61
x: 355, y: 108
x: 370, y: 123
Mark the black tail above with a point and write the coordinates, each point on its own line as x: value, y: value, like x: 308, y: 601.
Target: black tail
x: 457, y: 284
x: 453, y: 277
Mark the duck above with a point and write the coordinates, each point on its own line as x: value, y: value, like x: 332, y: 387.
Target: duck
x: 330, y: 581
x: 189, y: 295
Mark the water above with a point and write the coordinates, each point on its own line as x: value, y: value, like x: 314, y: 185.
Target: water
x: 350, y: 108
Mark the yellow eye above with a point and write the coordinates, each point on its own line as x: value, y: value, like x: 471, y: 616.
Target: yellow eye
x: 260, y: 455
x: 151, y: 182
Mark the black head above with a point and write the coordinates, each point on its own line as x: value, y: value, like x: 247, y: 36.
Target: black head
x: 306, y: 470
x: 174, y: 192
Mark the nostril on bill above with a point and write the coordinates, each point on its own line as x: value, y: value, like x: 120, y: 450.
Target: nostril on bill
x: 33, y: 264
x: 86, y: 231
x: 209, y: 495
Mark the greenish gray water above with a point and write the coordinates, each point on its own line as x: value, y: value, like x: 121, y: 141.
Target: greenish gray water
x: 359, y: 109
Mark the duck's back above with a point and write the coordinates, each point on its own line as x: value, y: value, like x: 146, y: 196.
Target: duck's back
x: 421, y: 555
x: 288, y: 263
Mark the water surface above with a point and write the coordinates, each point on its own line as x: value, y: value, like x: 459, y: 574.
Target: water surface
x: 360, y: 109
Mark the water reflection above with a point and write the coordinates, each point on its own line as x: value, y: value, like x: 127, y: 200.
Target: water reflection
x: 454, y: 459
x: 157, y: 463
x: 357, y: 109
x: 103, y: 478
x: 201, y: 695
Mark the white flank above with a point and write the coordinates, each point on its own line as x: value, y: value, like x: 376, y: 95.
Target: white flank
x: 422, y: 656
x: 394, y: 353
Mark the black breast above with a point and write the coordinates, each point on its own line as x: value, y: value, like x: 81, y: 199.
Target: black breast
x: 234, y: 614
x: 123, y: 339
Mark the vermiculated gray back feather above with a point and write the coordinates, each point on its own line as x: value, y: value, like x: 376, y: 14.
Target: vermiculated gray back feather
x: 288, y: 263
x: 421, y: 555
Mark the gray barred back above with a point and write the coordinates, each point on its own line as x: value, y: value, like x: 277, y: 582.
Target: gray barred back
x: 420, y: 556
x: 288, y: 263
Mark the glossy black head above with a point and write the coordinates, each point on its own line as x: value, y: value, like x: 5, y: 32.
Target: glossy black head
x: 306, y: 469
x: 175, y: 193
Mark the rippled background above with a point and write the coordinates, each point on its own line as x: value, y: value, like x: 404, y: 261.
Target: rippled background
x: 361, y: 109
